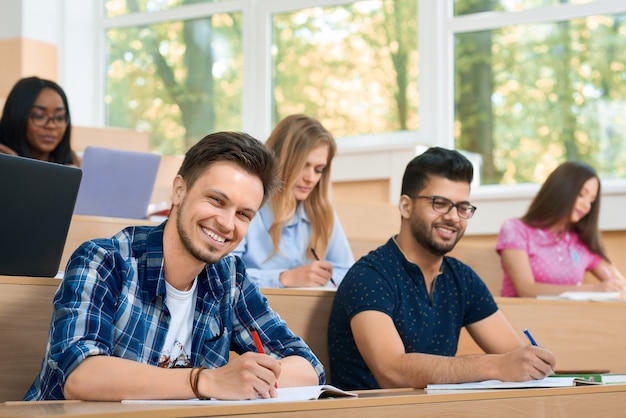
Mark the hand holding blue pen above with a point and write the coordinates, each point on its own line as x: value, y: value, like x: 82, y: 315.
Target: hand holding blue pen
x: 530, y: 337
x: 533, y: 342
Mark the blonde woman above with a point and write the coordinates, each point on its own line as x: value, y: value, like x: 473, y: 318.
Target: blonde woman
x: 296, y: 239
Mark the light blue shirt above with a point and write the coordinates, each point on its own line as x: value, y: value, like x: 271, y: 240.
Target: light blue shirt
x: 257, y: 246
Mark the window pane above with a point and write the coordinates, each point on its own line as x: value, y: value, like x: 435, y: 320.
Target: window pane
x: 178, y: 80
x: 463, y: 7
x: 353, y: 67
x: 122, y: 7
x: 531, y: 96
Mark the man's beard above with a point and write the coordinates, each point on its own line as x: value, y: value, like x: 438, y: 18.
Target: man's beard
x: 423, y: 236
x: 185, y: 240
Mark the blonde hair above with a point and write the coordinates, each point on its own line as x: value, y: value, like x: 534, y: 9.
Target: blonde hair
x: 292, y: 140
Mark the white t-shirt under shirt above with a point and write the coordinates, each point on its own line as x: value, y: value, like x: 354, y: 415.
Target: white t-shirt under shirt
x: 181, y: 305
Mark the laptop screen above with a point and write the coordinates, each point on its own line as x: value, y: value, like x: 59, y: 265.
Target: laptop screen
x: 37, y: 204
x: 116, y: 183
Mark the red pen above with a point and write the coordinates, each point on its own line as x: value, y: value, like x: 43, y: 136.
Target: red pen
x: 258, y: 344
x: 257, y: 341
x: 318, y: 259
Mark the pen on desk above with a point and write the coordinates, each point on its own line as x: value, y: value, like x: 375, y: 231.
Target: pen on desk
x: 318, y: 259
x: 530, y: 337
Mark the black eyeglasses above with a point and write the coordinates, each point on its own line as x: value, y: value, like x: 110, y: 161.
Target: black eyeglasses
x: 444, y: 206
x: 42, y: 120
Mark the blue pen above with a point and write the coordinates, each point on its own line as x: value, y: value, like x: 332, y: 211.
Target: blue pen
x: 530, y: 337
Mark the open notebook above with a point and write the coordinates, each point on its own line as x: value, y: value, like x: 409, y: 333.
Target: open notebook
x: 116, y: 183
x: 548, y: 382
x: 37, y: 204
x: 301, y: 393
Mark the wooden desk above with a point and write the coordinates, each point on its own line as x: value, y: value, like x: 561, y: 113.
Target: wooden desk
x: 586, y: 335
x: 605, y: 401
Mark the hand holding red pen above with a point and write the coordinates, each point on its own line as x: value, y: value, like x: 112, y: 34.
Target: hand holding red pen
x: 259, y: 345
x: 248, y: 376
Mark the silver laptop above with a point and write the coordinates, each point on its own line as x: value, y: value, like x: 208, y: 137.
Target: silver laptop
x: 116, y: 183
x: 37, y: 204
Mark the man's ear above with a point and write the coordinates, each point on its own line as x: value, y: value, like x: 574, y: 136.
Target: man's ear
x: 405, y: 206
x: 179, y: 188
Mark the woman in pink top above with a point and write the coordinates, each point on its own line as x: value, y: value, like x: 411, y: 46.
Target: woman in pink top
x: 550, y: 248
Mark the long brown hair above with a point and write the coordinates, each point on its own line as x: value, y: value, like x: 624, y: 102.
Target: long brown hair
x: 292, y: 140
x: 556, y: 199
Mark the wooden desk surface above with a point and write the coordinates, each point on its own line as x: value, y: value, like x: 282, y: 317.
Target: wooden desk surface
x: 605, y: 401
x: 583, y: 335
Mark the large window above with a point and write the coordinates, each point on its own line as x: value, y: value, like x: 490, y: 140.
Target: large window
x: 352, y: 66
x: 521, y: 85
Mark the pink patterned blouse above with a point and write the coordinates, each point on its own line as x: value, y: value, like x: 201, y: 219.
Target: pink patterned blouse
x: 553, y: 260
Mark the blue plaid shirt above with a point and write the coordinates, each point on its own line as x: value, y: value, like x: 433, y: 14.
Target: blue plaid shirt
x: 112, y: 302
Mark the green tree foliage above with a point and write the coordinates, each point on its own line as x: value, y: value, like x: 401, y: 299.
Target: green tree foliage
x: 165, y: 79
x: 353, y: 67
x: 529, y: 97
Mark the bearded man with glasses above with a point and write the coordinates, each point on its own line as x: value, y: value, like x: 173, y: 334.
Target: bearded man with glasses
x: 398, y: 314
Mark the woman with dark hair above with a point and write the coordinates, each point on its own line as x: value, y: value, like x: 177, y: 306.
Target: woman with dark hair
x: 36, y: 122
x: 550, y: 248
x: 296, y: 239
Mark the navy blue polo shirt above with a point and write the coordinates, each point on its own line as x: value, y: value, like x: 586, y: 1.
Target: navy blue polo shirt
x: 385, y: 281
